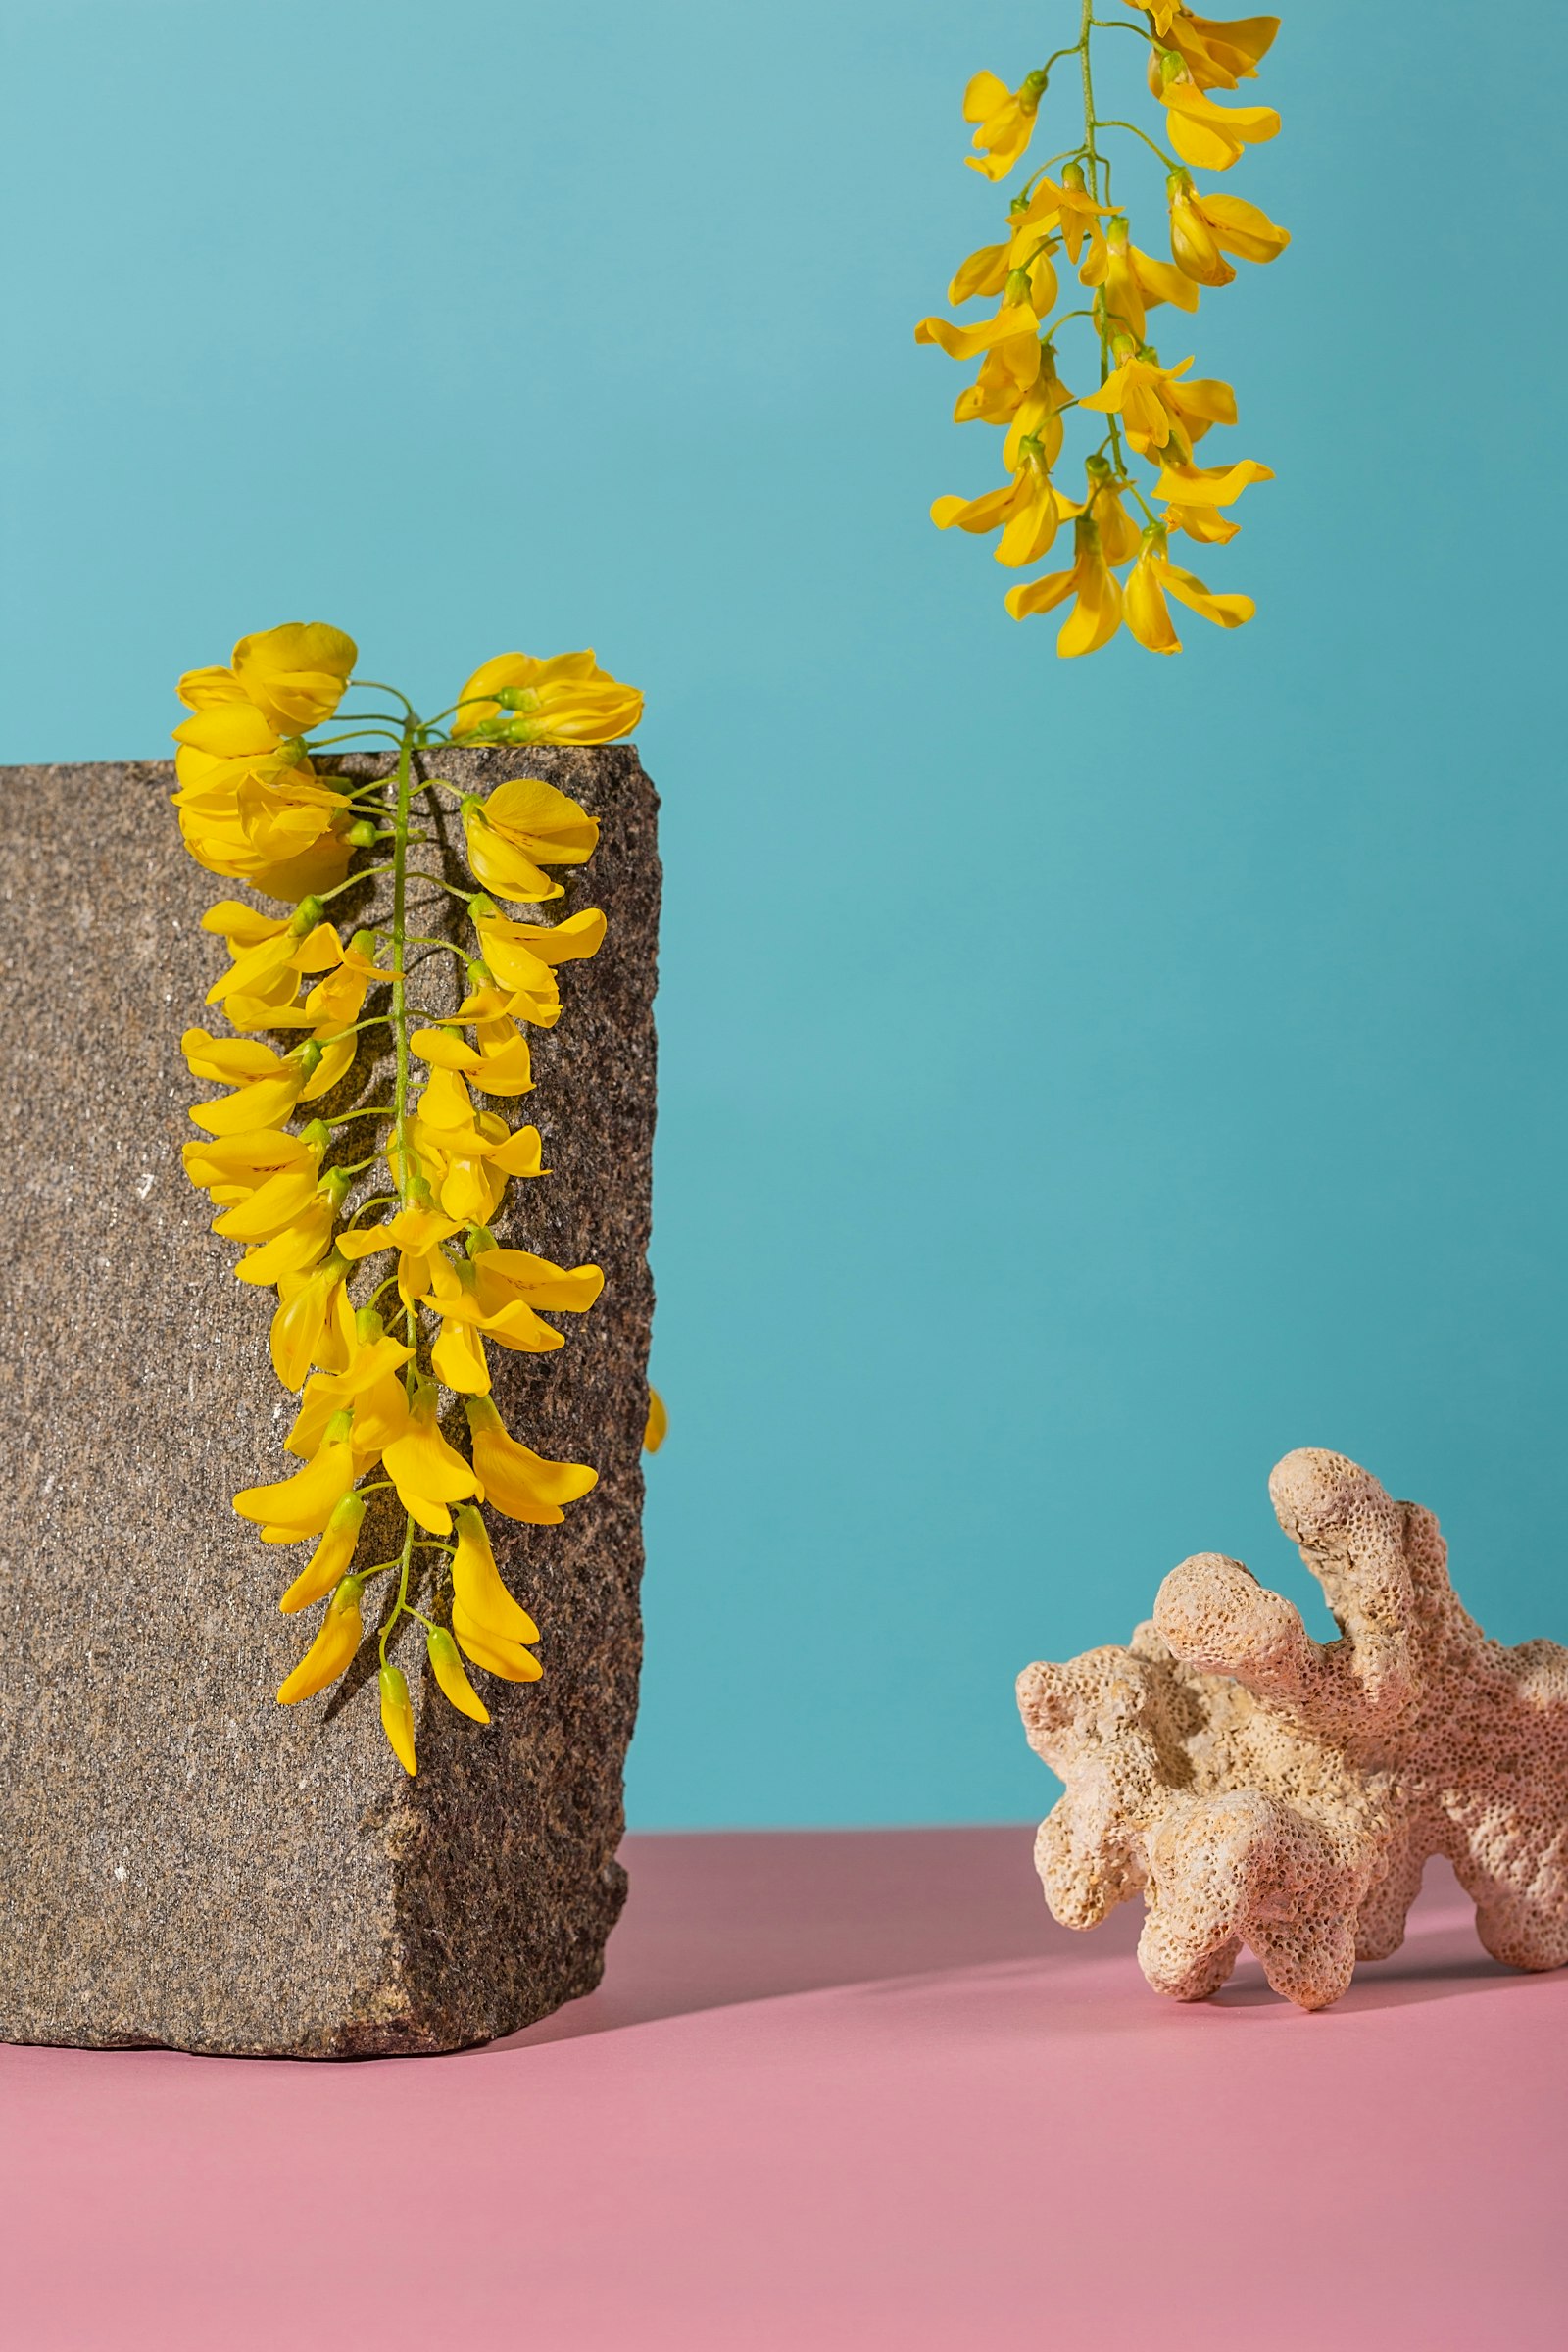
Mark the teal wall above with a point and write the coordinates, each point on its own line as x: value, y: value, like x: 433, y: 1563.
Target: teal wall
x: 1081, y: 1081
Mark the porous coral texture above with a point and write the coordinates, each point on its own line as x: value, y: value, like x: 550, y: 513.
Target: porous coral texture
x: 1261, y: 1789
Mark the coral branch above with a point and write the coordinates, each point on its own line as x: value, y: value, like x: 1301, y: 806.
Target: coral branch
x: 1261, y: 1789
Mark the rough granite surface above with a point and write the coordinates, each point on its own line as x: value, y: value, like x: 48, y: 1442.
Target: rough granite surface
x: 182, y: 1861
x: 1258, y: 1788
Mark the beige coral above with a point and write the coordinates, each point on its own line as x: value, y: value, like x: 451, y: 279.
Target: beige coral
x: 1258, y: 1788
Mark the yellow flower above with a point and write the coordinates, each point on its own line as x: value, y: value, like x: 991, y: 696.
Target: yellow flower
x: 497, y: 1290
x: 396, y: 1716
x: 447, y: 1667
x: 426, y: 1472
x: 1026, y: 511
x: 657, y: 1427
x: 331, y: 1556
x: 487, y: 1622
x: 522, y: 956
x: 1030, y: 411
x: 1027, y: 247
x: 342, y: 1631
x: 417, y: 1233
x: 295, y: 674
x: 522, y: 826
x: 250, y: 805
x: 1066, y: 206
x: 1153, y: 578
x: 505, y: 1277
x: 267, y: 1084
x: 1159, y: 412
x: 983, y: 272
x: 1211, y: 137
x: 458, y: 1360
x: 1198, y: 492
x: 1217, y: 55
x: 369, y: 1382
x: 1095, y: 616
x: 292, y: 1508
x: 231, y: 1168
x: 266, y: 970
x: 468, y: 1158
x: 339, y: 998
x: 1203, y: 228
x: 314, y: 1323
x: 514, y: 698
x: 498, y: 1063
x: 1012, y: 336
x: 518, y: 1482
x: 1134, y: 283
x: 1119, y: 536
x: 1004, y: 121
x: 476, y: 1585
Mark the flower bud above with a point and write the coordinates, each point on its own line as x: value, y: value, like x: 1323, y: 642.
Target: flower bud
x: 396, y: 1716
x: 305, y: 917
x: 362, y: 836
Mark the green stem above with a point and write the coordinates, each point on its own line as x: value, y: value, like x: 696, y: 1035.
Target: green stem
x: 402, y: 1602
x: 1109, y: 122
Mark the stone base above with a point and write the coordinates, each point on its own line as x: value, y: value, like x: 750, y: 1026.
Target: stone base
x: 183, y: 1862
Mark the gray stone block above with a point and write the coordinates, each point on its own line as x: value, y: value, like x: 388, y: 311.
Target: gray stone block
x: 182, y: 1861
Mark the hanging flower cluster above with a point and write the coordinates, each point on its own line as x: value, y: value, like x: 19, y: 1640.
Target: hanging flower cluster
x: 1146, y: 410
x: 369, y: 1352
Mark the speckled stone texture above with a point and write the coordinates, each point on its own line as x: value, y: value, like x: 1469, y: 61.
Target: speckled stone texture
x: 181, y: 1860
x: 1259, y: 1788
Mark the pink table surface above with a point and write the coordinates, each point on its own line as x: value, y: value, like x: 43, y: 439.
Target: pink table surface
x: 839, y: 2089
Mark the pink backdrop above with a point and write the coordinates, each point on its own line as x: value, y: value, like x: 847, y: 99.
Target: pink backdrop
x: 840, y: 2090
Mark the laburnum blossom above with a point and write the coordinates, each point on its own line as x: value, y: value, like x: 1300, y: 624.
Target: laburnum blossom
x: 1196, y: 493
x: 1012, y: 336
x: 1217, y: 55
x: 1161, y: 412
x: 1203, y: 228
x: 1068, y: 206
x: 514, y: 698
x: 376, y: 1414
x: 250, y: 802
x: 489, y: 1625
x: 1141, y: 411
x: 1153, y: 578
x: 1003, y: 120
x: 1094, y: 587
x: 519, y: 1483
x: 1214, y: 137
x: 522, y: 827
x: 1133, y: 283
x: 1027, y: 510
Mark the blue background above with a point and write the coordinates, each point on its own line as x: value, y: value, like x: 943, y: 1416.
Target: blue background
x: 1082, y: 1081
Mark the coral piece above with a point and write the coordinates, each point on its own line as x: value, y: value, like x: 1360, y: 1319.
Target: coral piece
x: 1259, y: 1788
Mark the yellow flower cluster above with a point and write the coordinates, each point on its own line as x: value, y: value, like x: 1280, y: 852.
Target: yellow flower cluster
x: 1154, y: 412
x: 259, y: 802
